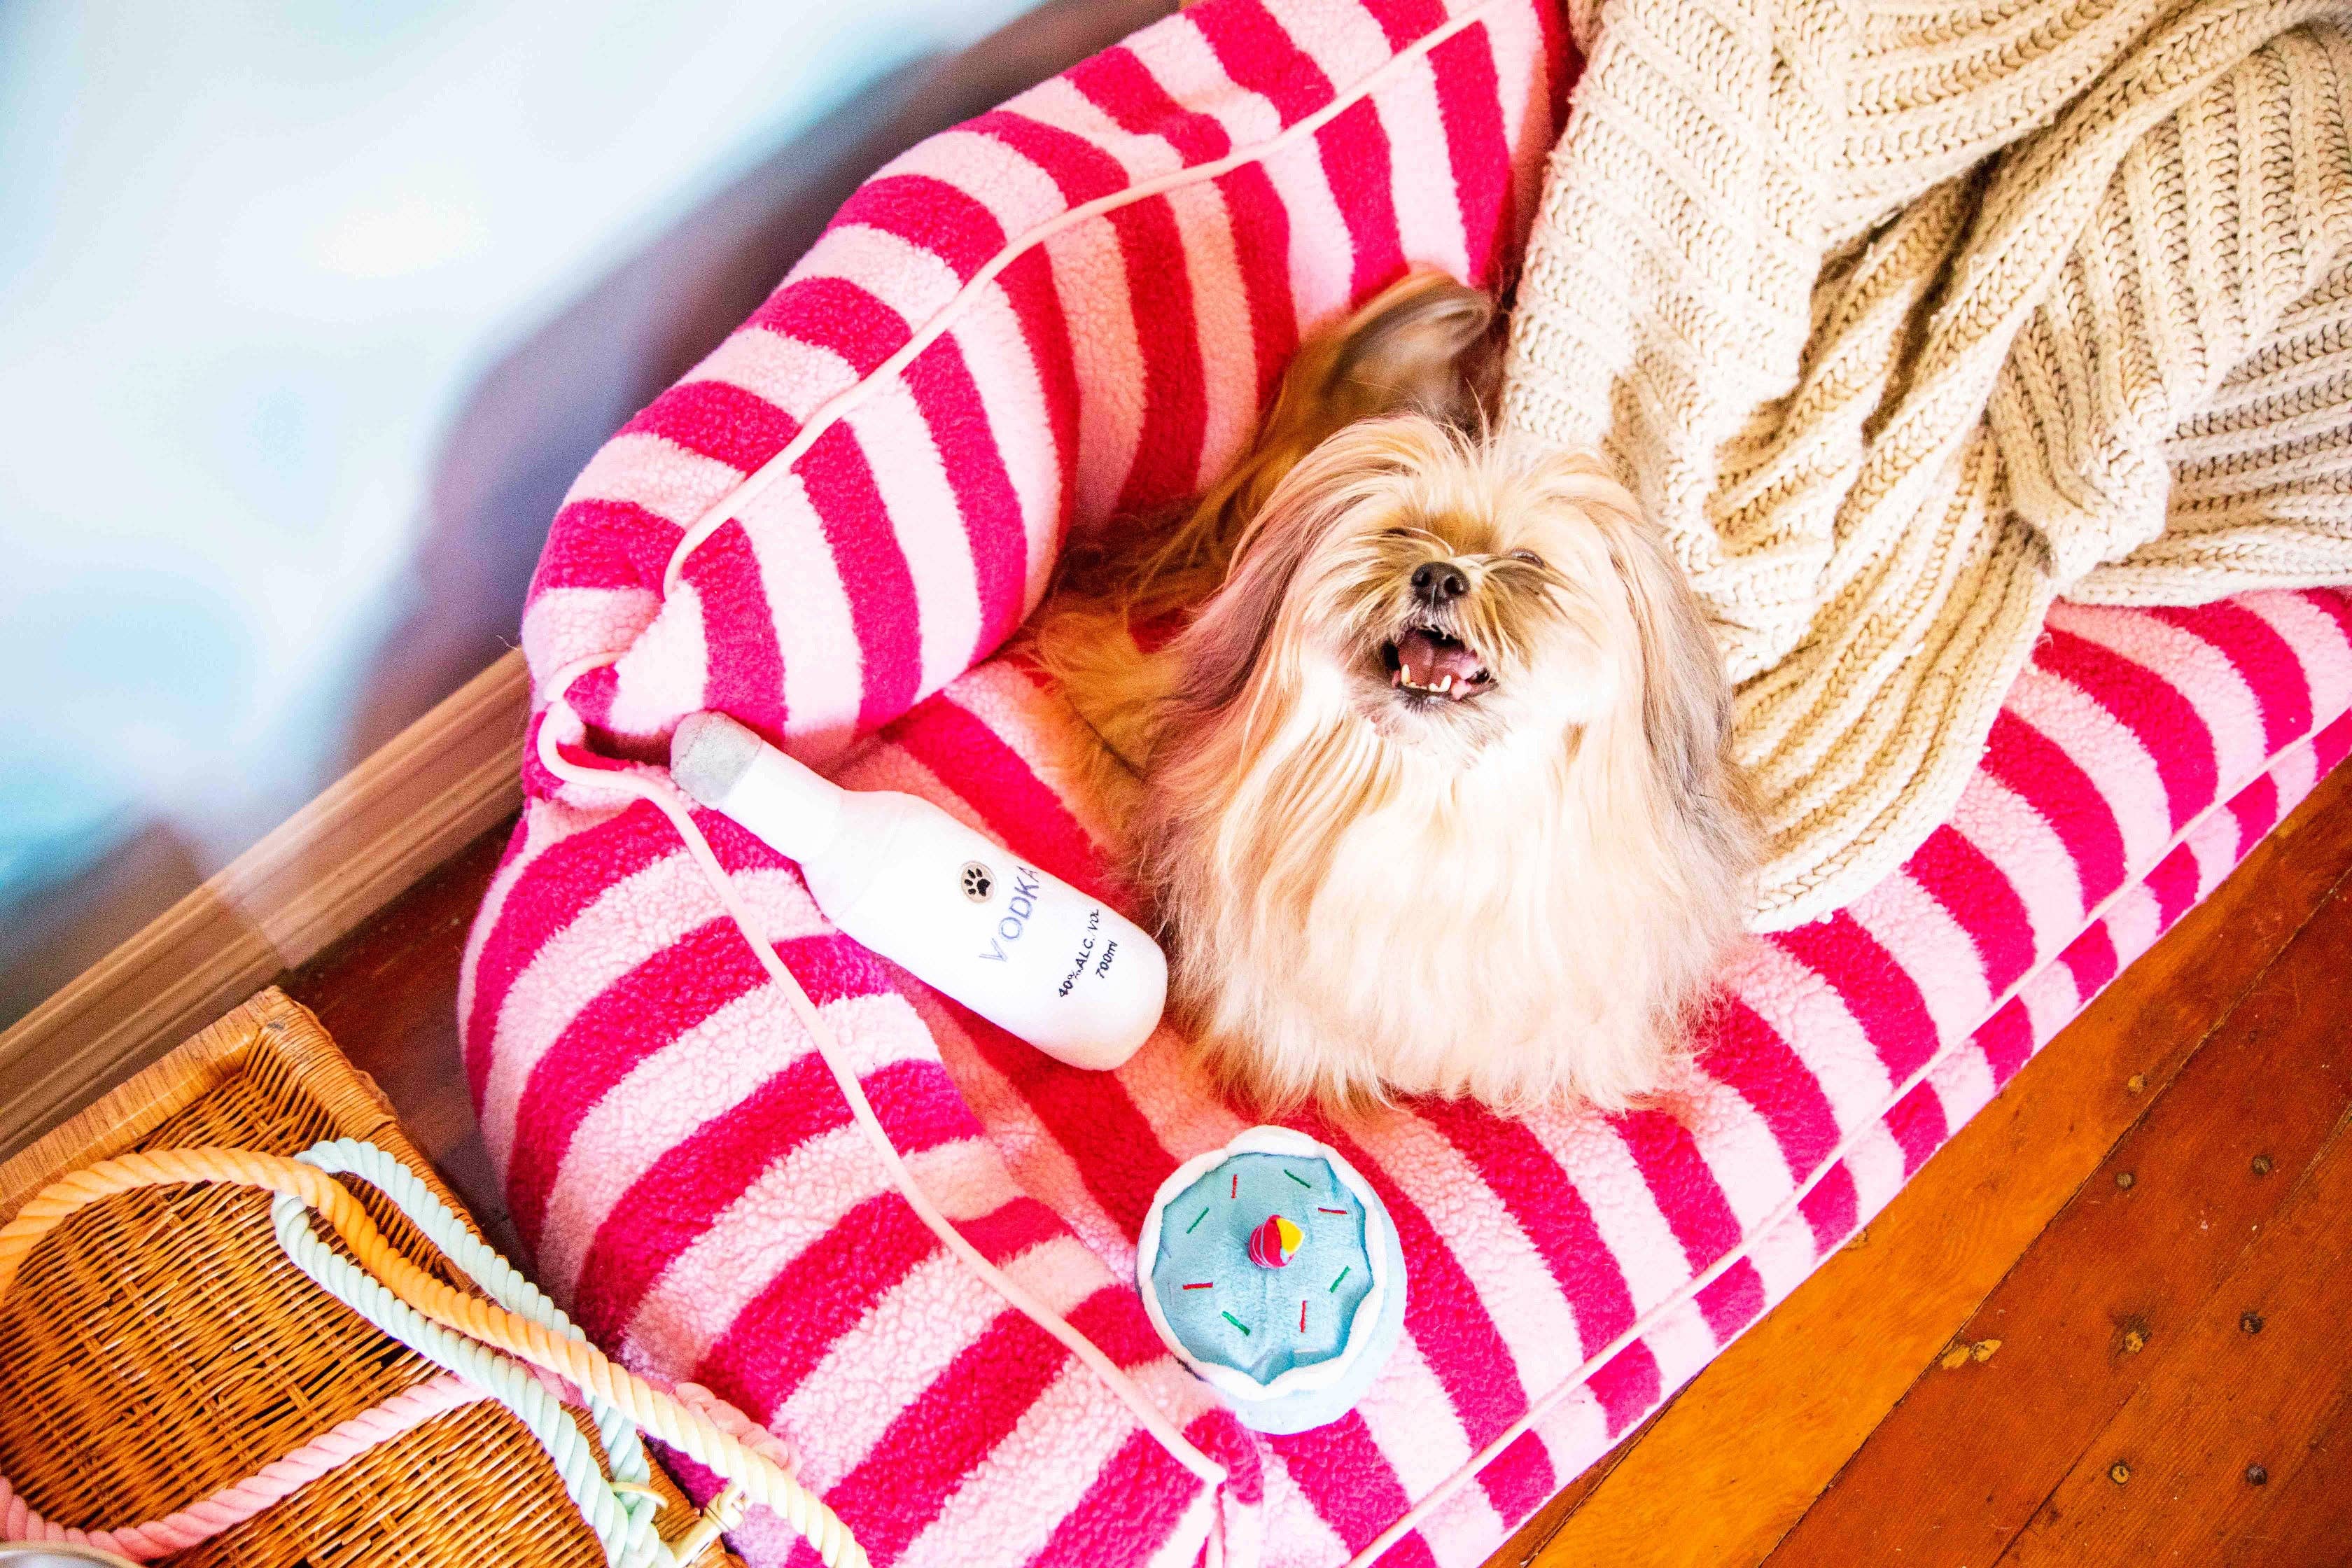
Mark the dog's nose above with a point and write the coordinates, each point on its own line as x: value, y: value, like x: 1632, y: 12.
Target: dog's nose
x: 1439, y: 583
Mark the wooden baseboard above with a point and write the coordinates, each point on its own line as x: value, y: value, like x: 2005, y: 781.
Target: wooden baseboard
x: 436, y: 786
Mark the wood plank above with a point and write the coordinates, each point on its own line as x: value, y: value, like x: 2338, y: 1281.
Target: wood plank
x: 1761, y: 1431
x: 2310, y: 1519
x: 1527, y: 1542
x: 2098, y: 1304
x: 2168, y: 1480
x: 404, y: 811
x: 388, y: 994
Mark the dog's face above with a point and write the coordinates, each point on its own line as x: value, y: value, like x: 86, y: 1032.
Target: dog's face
x: 1440, y: 798
x: 1454, y: 601
x: 1452, y: 622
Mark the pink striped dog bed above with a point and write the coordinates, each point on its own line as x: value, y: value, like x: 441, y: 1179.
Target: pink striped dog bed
x: 1058, y: 314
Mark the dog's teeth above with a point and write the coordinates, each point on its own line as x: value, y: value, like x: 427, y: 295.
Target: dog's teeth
x: 1444, y: 686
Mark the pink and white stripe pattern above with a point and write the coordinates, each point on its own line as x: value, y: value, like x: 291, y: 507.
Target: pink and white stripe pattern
x: 678, y: 1158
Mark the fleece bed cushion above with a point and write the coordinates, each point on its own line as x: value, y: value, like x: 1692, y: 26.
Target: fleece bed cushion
x: 675, y: 1157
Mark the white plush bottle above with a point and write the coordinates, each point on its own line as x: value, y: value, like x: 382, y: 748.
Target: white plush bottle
x: 1024, y: 950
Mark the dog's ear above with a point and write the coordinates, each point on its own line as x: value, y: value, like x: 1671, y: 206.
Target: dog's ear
x: 1221, y: 645
x: 1685, y: 695
x: 1304, y: 510
x: 1425, y: 344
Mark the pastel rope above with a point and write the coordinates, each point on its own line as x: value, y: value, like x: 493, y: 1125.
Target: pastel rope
x: 234, y: 1504
x: 552, y: 1345
x: 622, y: 1523
x: 734, y: 1422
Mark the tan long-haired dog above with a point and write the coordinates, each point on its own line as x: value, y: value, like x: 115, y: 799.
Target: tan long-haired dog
x: 1432, y: 790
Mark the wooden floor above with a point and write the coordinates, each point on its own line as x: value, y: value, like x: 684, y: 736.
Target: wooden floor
x: 2110, y: 1323
x: 388, y: 993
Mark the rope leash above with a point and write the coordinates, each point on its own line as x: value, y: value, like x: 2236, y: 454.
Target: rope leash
x: 457, y: 1330
x: 234, y: 1504
x: 623, y: 1521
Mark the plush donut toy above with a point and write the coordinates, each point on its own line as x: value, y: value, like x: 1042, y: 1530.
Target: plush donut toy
x: 1271, y: 1268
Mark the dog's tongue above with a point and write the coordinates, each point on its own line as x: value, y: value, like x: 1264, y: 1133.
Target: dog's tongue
x: 1424, y: 660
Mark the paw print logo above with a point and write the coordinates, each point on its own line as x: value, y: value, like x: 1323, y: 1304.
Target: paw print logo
x: 976, y: 882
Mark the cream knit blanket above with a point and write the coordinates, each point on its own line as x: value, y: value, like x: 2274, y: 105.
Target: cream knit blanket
x: 1905, y: 317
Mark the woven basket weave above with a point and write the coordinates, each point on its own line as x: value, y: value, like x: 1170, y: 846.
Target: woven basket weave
x: 159, y: 1346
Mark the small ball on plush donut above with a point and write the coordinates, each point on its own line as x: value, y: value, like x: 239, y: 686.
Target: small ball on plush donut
x: 1272, y: 1243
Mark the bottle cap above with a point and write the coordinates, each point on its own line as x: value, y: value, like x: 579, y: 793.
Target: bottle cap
x: 725, y: 765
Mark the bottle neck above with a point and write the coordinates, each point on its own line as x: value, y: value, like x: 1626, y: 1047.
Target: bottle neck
x: 795, y: 809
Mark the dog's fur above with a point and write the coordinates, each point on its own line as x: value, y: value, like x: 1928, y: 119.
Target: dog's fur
x: 1518, y: 894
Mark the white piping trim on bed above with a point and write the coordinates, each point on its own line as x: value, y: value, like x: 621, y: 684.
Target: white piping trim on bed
x: 827, y: 415
x: 831, y: 411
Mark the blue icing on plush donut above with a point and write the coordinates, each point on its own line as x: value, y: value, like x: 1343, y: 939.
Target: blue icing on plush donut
x: 1229, y: 1310
x: 1273, y: 1271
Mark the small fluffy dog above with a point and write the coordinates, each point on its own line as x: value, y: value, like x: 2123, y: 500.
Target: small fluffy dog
x: 1433, y: 789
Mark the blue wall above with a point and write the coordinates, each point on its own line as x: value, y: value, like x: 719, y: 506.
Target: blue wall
x: 308, y: 312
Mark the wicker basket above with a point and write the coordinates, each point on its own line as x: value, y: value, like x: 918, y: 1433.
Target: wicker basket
x: 159, y: 1346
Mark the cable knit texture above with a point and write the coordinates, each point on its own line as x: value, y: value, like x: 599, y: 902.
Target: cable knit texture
x: 1907, y: 319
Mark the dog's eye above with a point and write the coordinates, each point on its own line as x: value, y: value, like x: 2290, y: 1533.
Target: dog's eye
x: 1529, y: 556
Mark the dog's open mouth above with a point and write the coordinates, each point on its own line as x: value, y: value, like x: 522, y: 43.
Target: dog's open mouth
x: 1425, y: 662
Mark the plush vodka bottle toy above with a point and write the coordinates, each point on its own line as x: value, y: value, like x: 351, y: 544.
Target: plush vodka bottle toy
x: 1023, y: 949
